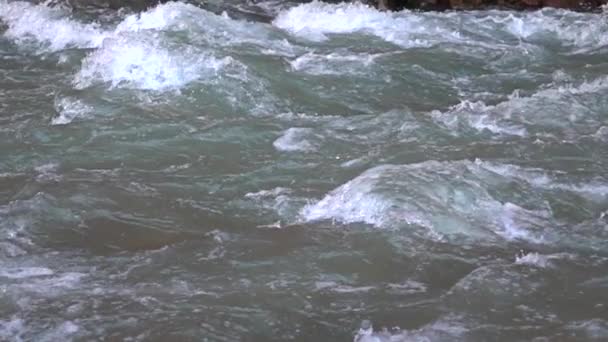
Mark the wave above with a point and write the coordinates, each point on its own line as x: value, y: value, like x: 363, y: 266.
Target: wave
x: 70, y: 109
x: 447, y: 198
x: 317, y: 20
x: 451, y: 199
x: 297, y: 139
x: 50, y: 26
x: 139, y: 52
x: 143, y: 63
x: 563, y: 110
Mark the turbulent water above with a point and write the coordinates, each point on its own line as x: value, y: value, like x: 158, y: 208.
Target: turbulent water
x: 271, y: 171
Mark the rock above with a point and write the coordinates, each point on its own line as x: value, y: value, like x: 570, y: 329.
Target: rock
x: 578, y: 5
x: 136, y: 5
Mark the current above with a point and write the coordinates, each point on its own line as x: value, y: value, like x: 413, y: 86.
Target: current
x: 284, y: 171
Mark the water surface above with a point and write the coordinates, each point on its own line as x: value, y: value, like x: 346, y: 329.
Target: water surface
x: 269, y: 171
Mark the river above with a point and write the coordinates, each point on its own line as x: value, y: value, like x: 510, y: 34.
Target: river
x: 274, y: 171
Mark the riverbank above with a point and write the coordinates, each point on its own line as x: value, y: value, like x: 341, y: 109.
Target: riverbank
x: 577, y: 5
x: 387, y: 5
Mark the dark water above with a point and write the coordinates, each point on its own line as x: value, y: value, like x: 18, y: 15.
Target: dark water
x: 281, y: 172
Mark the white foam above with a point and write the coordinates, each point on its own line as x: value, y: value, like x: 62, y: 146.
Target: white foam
x: 316, y: 19
x: 577, y: 29
x: 54, y: 27
x: 201, y: 25
x: 12, y: 330
x: 548, y: 108
x: 333, y: 63
x: 495, y: 30
x: 516, y: 223
x: 408, y: 287
x: 341, y: 288
x: 69, y: 109
x: 25, y: 272
x: 601, y: 134
x: 144, y: 63
x: 172, y: 15
x: 62, y: 332
x: 280, y: 200
x: 447, y: 198
x: 540, y: 260
x: 353, y: 202
x: 297, y: 139
x: 57, y: 30
x: 352, y: 289
x: 50, y: 26
x: 479, y: 116
x: 534, y: 176
x: 278, y: 191
x: 448, y: 328
x: 546, y: 180
x: 594, y: 329
x: 534, y: 259
x: 11, y: 250
x: 52, y: 285
x: 136, y: 53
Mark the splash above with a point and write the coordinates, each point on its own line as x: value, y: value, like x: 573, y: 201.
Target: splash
x: 318, y: 21
x: 70, y: 109
x: 50, y: 26
x: 144, y: 63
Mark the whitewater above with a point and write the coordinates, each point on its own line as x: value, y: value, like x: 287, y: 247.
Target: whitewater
x: 278, y: 170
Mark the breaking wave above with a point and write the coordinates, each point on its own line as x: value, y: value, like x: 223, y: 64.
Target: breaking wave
x: 317, y: 20
x: 449, y: 199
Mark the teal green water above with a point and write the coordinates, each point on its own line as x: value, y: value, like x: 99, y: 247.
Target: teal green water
x: 283, y: 172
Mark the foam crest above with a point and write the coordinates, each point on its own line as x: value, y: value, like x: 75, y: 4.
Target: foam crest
x: 144, y: 63
x: 591, y: 330
x: 571, y: 28
x: 25, y: 272
x: 138, y: 53
x: 297, y: 139
x: 539, y: 260
x: 547, y: 180
x: 55, y: 28
x: 69, y: 109
x: 50, y: 285
x: 446, y: 198
x: 478, y: 116
x: 449, y: 328
x: 333, y: 63
x: 200, y: 25
x: 564, y: 109
x: 172, y: 15
x: 493, y: 30
x: 315, y: 20
x: 51, y: 26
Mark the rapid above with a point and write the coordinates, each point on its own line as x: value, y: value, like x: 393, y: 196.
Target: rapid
x: 275, y: 170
